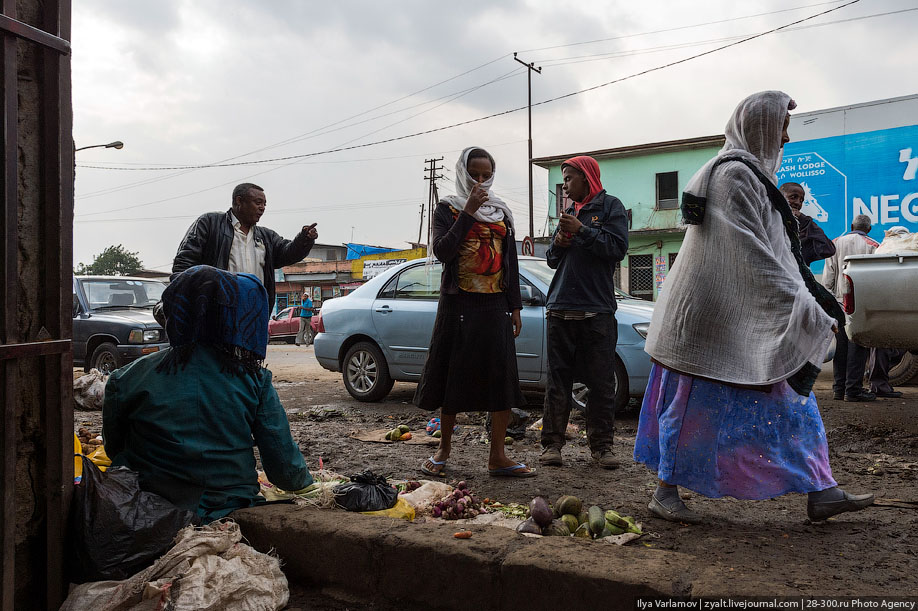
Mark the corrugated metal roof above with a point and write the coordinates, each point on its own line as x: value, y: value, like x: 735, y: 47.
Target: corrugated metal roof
x: 636, y: 149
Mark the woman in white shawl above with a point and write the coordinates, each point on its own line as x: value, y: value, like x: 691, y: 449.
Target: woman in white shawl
x: 471, y: 365
x: 736, y: 337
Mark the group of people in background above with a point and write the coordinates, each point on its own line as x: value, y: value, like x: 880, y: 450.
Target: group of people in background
x: 728, y: 410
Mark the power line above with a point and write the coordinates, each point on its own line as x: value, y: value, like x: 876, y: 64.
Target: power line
x: 493, y: 115
x: 678, y: 28
x: 563, y: 61
x: 295, y: 138
x: 299, y: 210
x: 223, y: 184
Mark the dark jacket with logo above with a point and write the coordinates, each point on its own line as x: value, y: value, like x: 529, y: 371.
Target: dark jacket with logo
x: 448, y: 234
x: 584, y: 280
x: 814, y: 244
x: 209, y: 239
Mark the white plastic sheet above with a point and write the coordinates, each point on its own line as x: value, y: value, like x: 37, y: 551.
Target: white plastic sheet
x: 207, y: 569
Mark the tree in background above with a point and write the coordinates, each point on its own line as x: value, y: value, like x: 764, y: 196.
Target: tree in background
x: 113, y: 261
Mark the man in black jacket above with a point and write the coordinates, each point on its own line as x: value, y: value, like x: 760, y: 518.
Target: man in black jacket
x: 814, y: 244
x: 592, y: 236
x: 233, y: 241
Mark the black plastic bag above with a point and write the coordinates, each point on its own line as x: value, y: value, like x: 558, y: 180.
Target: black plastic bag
x: 366, y: 492
x: 116, y: 529
x: 516, y: 428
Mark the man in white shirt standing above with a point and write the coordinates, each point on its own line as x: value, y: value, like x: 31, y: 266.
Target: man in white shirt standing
x: 850, y: 358
x: 234, y: 241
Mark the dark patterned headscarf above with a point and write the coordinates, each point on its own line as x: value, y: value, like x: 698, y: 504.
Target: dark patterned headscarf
x: 205, y: 305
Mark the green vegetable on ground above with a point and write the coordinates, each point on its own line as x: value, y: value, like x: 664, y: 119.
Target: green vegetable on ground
x: 571, y: 522
x: 614, y: 518
x: 597, y: 520
x: 569, y: 504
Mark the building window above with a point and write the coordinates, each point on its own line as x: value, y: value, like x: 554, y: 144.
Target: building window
x: 672, y: 259
x: 640, y: 276
x: 668, y: 191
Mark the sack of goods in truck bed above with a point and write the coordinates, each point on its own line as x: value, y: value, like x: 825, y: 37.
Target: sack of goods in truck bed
x: 898, y: 240
x: 89, y: 390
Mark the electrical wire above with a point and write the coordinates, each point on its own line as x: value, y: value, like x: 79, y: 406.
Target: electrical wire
x: 627, y: 53
x: 513, y: 110
x: 679, y: 28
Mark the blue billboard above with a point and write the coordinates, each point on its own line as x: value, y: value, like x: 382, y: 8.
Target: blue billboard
x: 872, y: 173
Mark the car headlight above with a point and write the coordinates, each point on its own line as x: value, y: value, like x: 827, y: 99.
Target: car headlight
x: 642, y: 328
x: 144, y: 336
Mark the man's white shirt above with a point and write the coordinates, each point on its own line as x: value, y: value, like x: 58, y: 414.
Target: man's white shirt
x: 247, y: 255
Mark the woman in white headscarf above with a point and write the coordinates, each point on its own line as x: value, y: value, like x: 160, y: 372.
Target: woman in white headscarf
x: 737, y: 336
x: 471, y: 365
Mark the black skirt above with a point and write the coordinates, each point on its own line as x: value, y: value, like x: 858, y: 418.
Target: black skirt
x: 471, y: 364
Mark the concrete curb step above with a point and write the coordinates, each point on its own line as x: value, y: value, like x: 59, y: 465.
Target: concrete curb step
x: 393, y: 560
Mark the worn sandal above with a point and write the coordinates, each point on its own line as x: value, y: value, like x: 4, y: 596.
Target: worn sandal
x: 431, y: 472
x: 512, y: 471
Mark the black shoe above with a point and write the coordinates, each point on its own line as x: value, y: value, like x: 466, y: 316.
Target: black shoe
x: 895, y: 394
x: 861, y: 397
x: 839, y: 396
x: 551, y: 457
x: 606, y: 459
x: 679, y: 513
x: 827, y: 509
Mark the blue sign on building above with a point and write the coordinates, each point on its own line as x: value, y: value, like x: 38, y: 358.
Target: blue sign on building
x: 872, y: 173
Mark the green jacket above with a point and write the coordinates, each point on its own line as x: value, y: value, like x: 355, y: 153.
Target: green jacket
x: 190, y: 434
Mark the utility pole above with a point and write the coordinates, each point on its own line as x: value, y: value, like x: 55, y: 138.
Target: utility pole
x: 530, y: 68
x: 421, y: 225
x: 433, y: 197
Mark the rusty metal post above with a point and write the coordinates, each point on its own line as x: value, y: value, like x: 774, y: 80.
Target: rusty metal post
x: 50, y: 362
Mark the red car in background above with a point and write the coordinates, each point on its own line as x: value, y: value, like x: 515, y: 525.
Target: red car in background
x: 286, y: 324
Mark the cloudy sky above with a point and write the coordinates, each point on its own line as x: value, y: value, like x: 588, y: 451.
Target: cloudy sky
x: 217, y: 82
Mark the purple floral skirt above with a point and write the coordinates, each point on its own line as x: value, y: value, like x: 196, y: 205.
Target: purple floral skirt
x: 720, y: 440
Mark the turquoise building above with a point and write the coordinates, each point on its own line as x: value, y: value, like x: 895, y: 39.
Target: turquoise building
x: 649, y: 179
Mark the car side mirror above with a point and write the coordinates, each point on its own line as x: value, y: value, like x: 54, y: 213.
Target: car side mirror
x: 528, y: 296
x: 76, y: 306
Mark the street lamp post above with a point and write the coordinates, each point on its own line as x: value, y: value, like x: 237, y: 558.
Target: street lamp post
x: 117, y: 144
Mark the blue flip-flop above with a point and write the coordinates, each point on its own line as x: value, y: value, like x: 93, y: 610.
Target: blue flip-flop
x: 439, y: 473
x: 512, y: 471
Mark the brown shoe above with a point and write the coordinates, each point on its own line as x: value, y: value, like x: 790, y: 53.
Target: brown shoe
x: 605, y: 459
x: 551, y: 457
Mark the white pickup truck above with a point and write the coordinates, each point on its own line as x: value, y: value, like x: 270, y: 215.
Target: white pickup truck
x: 881, y: 302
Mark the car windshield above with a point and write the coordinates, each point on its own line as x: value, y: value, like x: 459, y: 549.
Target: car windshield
x: 538, y: 268
x: 107, y: 293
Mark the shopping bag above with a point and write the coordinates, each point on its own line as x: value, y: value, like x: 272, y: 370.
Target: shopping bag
x: 117, y: 529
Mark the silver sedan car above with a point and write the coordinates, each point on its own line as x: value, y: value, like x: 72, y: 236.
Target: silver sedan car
x: 381, y: 332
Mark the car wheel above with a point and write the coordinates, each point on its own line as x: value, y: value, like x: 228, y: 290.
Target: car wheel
x: 105, y: 358
x: 905, y: 371
x: 366, y: 373
x: 581, y: 393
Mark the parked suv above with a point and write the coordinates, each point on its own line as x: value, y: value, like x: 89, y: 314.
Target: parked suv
x: 113, y: 320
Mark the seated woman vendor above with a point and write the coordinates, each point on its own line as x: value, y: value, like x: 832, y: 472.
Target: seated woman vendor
x: 185, y: 418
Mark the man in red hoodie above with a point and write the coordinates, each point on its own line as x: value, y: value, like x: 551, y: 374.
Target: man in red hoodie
x: 592, y: 236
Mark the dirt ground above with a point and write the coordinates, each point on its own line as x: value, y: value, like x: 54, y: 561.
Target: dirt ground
x: 763, y: 547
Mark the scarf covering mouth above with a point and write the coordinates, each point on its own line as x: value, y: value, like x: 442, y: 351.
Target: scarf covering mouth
x: 590, y: 168
x: 494, y: 209
x: 206, y: 305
